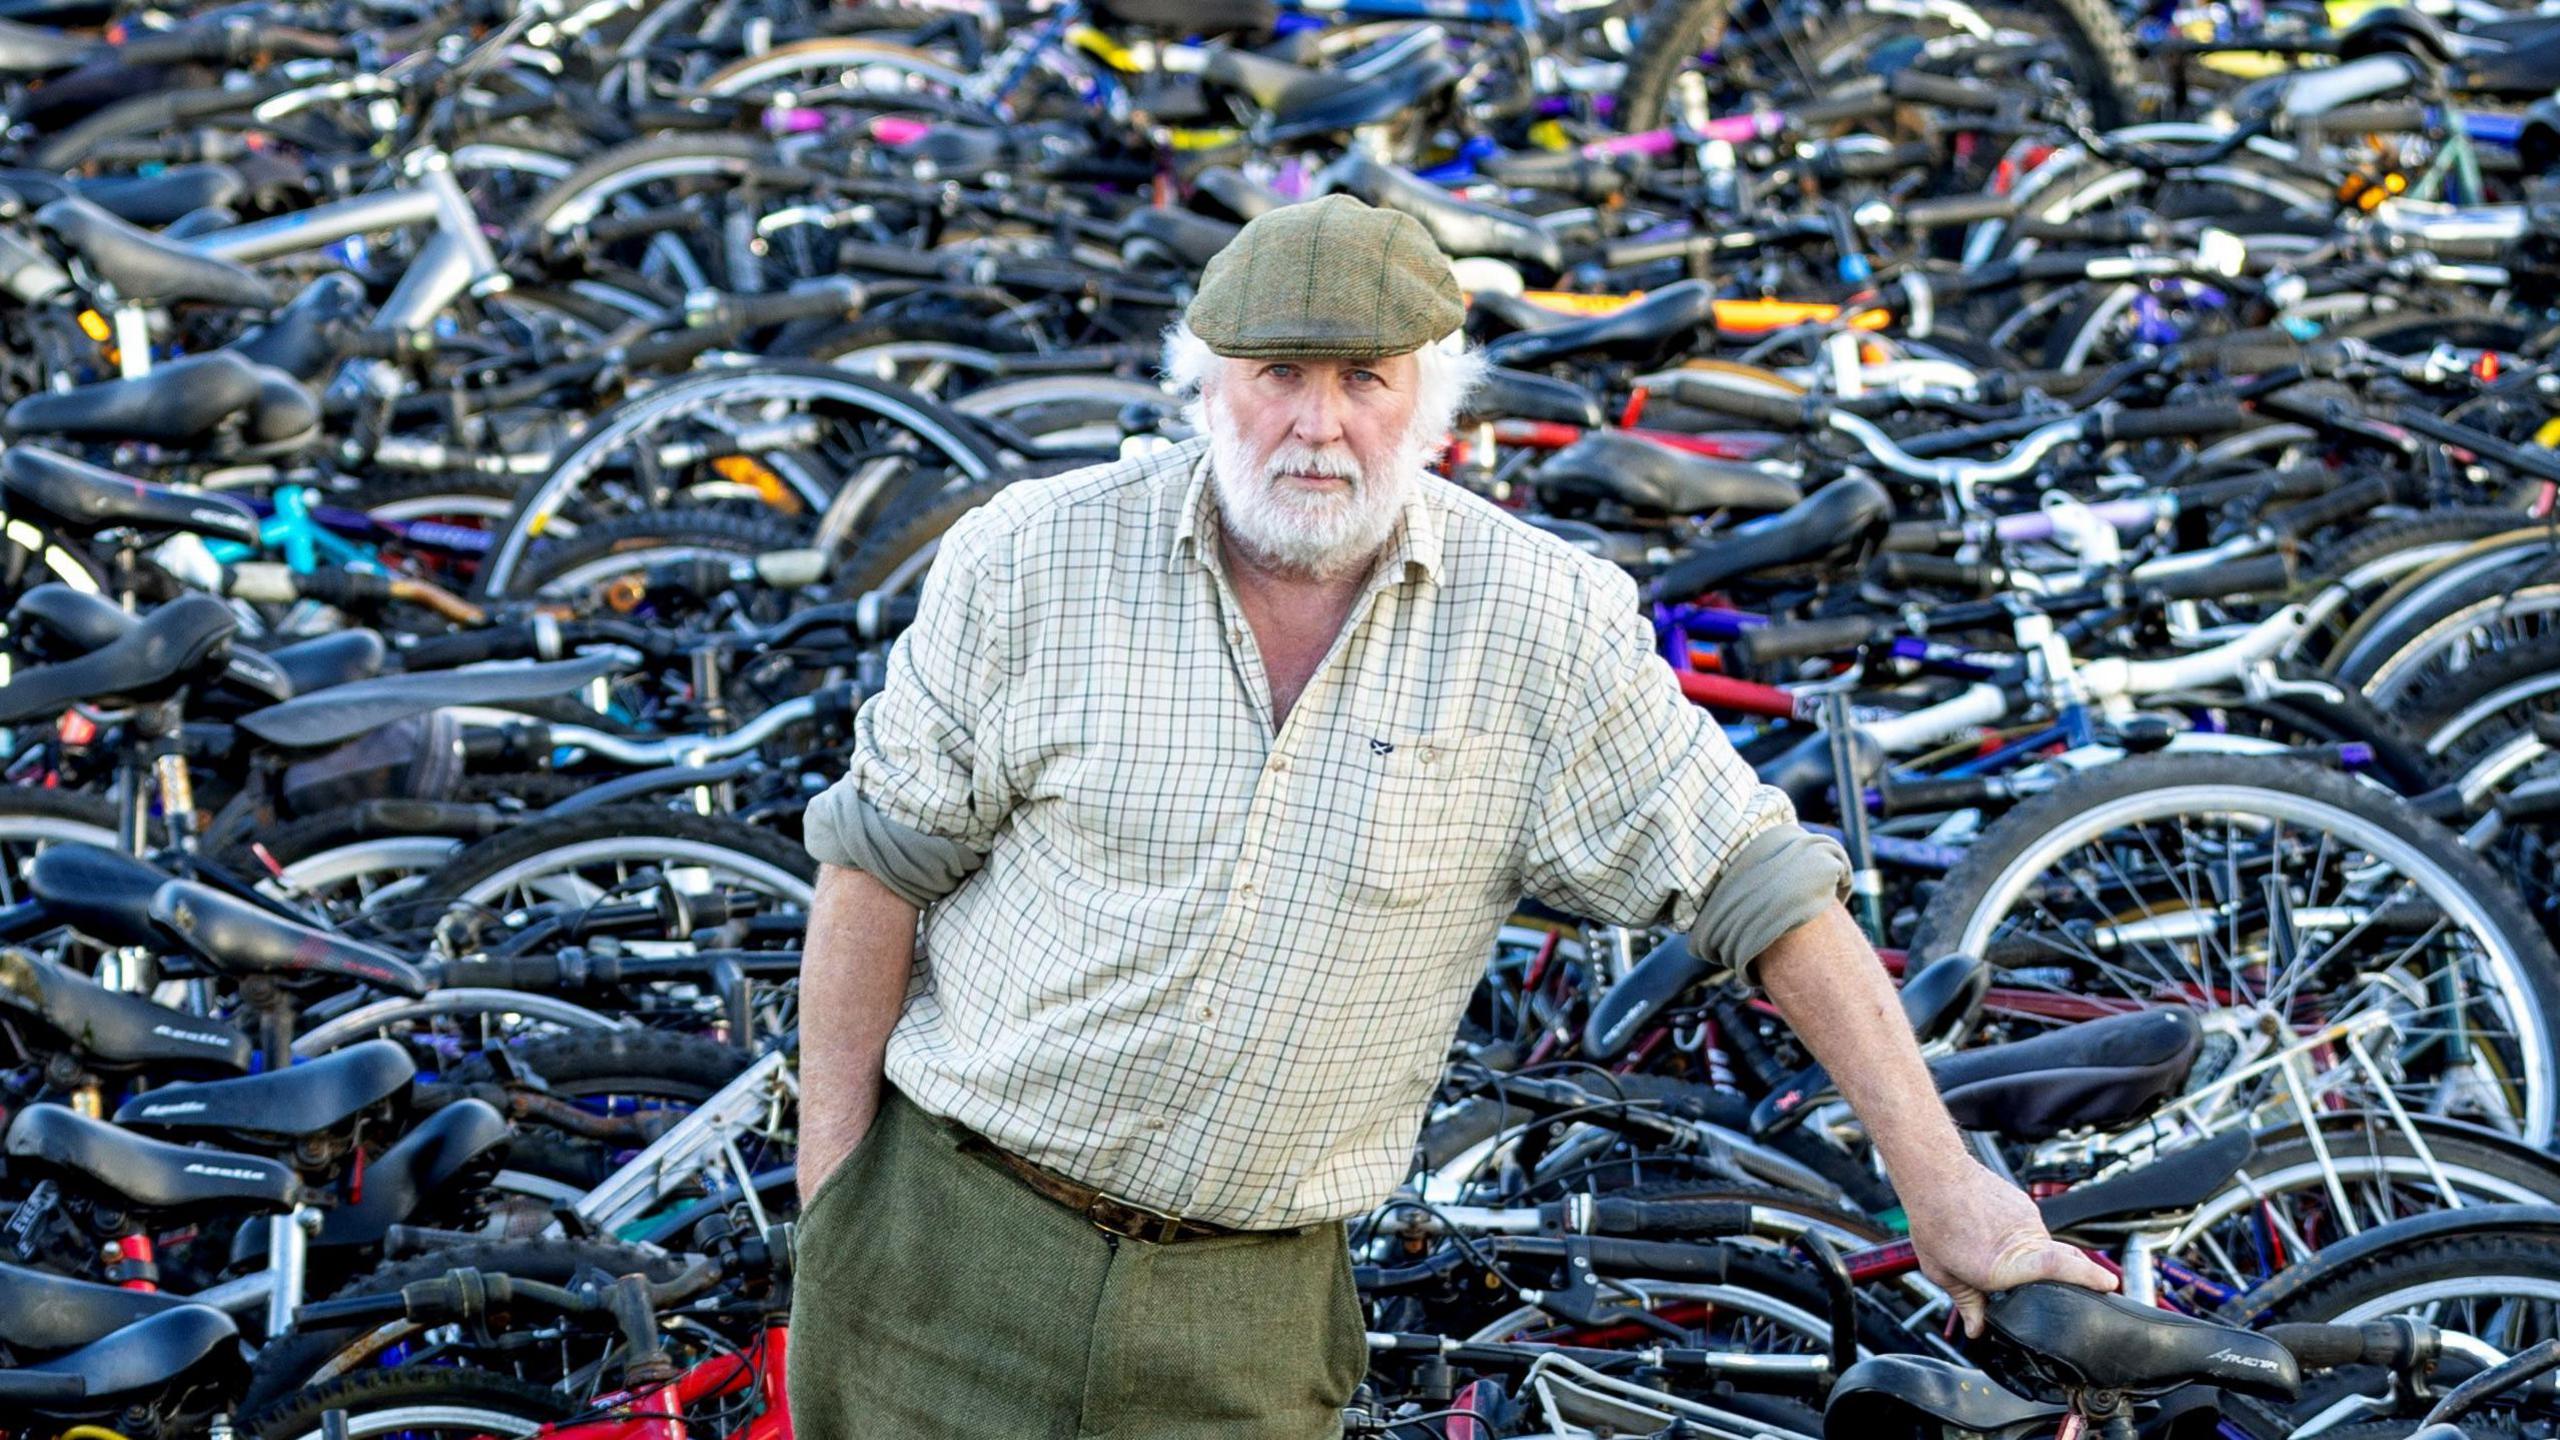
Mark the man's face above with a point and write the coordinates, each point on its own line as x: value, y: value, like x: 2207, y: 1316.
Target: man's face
x: 1313, y: 459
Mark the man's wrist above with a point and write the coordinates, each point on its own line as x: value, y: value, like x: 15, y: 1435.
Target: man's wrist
x: 1920, y: 1170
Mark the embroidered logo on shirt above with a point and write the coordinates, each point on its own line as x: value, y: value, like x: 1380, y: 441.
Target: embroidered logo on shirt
x: 1382, y: 747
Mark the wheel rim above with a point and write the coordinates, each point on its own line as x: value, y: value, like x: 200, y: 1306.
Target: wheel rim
x: 2527, y: 1107
x: 2212, y: 1242
x: 566, y: 873
x: 2510, y: 1314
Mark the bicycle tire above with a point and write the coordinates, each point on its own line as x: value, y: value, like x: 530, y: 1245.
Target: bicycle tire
x: 885, y: 558
x: 2493, y: 697
x: 607, y: 548
x: 31, y: 819
x: 661, y: 1065
x: 405, y: 1401
x: 954, y: 446
x: 2367, y: 543
x: 2396, y: 661
x: 2530, y: 971
x: 501, y: 857
x: 2099, y: 49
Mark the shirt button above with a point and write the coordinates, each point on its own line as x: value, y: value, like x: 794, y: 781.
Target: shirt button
x: 1280, y: 765
x: 1429, y: 754
x: 1155, y: 1122
x: 1208, y: 1013
x: 1245, y: 888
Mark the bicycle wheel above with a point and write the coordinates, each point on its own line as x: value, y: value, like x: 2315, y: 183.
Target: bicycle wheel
x: 31, y: 820
x: 2499, y: 1287
x: 2293, y: 1197
x: 425, y: 1402
x: 2496, y: 1281
x: 2271, y: 887
x: 897, y: 552
x: 615, y: 553
x: 650, y: 1077
x: 782, y: 437
x: 726, y: 183
x: 2404, y: 664
x: 584, y: 855
x: 2097, y: 56
x: 2473, y: 721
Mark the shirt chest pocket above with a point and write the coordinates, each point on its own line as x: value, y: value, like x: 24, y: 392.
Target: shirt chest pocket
x: 1421, y: 818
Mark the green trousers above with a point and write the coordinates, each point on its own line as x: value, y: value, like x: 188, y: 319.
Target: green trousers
x: 935, y: 1295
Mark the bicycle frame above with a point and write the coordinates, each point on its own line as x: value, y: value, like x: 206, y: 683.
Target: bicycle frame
x: 665, y: 1412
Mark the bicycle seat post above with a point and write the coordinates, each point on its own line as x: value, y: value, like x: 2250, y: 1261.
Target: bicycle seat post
x: 2097, y: 1415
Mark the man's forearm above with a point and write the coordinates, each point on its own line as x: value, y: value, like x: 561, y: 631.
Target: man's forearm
x: 1825, y: 980
x: 853, y: 982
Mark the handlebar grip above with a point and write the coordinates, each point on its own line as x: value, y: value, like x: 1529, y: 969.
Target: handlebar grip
x: 835, y: 297
x: 261, y: 582
x: 614, y: 229
x: 1977, y: 576
x: 2531, y: 801
x: 2388, y: 1343
x: 2249, y: 353
x: 882, y: 616
x: 1920, y: 87
x: 1776, y: 412
x: 1860, y: 99
x: 346, y: 589
x: 2344, y: 503
x: 792, y: 569
x: 181, y: 46
x: 1921, y: 537
x: 2248, y: 577
x: 2103, y: 228
x: 1804, y: 638
x: 1666, y: 1259
x: 1571, y: 173
x: 1932, y: 797
x: 512, y: 972
x: 1957, y: 210
x: 2297, y: 483
x: 1837, y: 162
x: 2366, y: 119
x: 2214, y: 418
x: 443, y: 652
x: 352, y: 1310
x: 1701, y: 1219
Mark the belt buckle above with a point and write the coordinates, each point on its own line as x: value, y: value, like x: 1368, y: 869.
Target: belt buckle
x: 1116, y: 1217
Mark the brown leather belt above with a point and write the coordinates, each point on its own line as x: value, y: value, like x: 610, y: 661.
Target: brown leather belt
x: 1106, y: 1213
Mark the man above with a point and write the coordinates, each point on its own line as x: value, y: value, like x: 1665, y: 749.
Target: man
x: 1213, y: 775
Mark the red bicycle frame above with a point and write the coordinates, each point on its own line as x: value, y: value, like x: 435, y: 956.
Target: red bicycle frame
x: 659, y: 1413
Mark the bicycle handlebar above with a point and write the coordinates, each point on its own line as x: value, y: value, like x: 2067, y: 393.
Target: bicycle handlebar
x: 2395, y: 1344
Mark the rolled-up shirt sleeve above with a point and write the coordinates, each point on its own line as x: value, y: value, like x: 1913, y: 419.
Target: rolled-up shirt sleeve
x: 925, y: 787
x: 1646, y: 816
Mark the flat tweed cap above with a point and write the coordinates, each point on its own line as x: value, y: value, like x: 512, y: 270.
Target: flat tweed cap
x: 1327, y: 279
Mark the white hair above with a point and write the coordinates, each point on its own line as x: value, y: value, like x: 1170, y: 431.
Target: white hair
x: 1329, y: 536
x: 1448, y: 371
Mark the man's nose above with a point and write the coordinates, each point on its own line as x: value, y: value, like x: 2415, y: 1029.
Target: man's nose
x: 1318, y: 418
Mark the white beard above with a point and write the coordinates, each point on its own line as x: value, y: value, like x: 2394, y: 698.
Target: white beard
x: 1321, y: 535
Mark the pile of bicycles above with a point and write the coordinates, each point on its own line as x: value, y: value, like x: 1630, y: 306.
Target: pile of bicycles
x: 461, y: 465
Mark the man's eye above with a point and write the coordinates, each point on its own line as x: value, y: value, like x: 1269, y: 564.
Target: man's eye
x: 1281, y: 372
x: 1366, y: 377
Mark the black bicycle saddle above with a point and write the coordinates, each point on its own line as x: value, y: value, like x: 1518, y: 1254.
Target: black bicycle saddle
x: 2049, y: 1338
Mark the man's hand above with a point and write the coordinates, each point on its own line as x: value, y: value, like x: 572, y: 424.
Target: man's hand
x: 1978, y: 1233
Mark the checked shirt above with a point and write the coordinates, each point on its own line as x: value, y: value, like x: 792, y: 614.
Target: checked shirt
x: 1212, y: 969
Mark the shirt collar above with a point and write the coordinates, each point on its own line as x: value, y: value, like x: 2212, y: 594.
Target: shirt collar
x: 1413, y: 553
